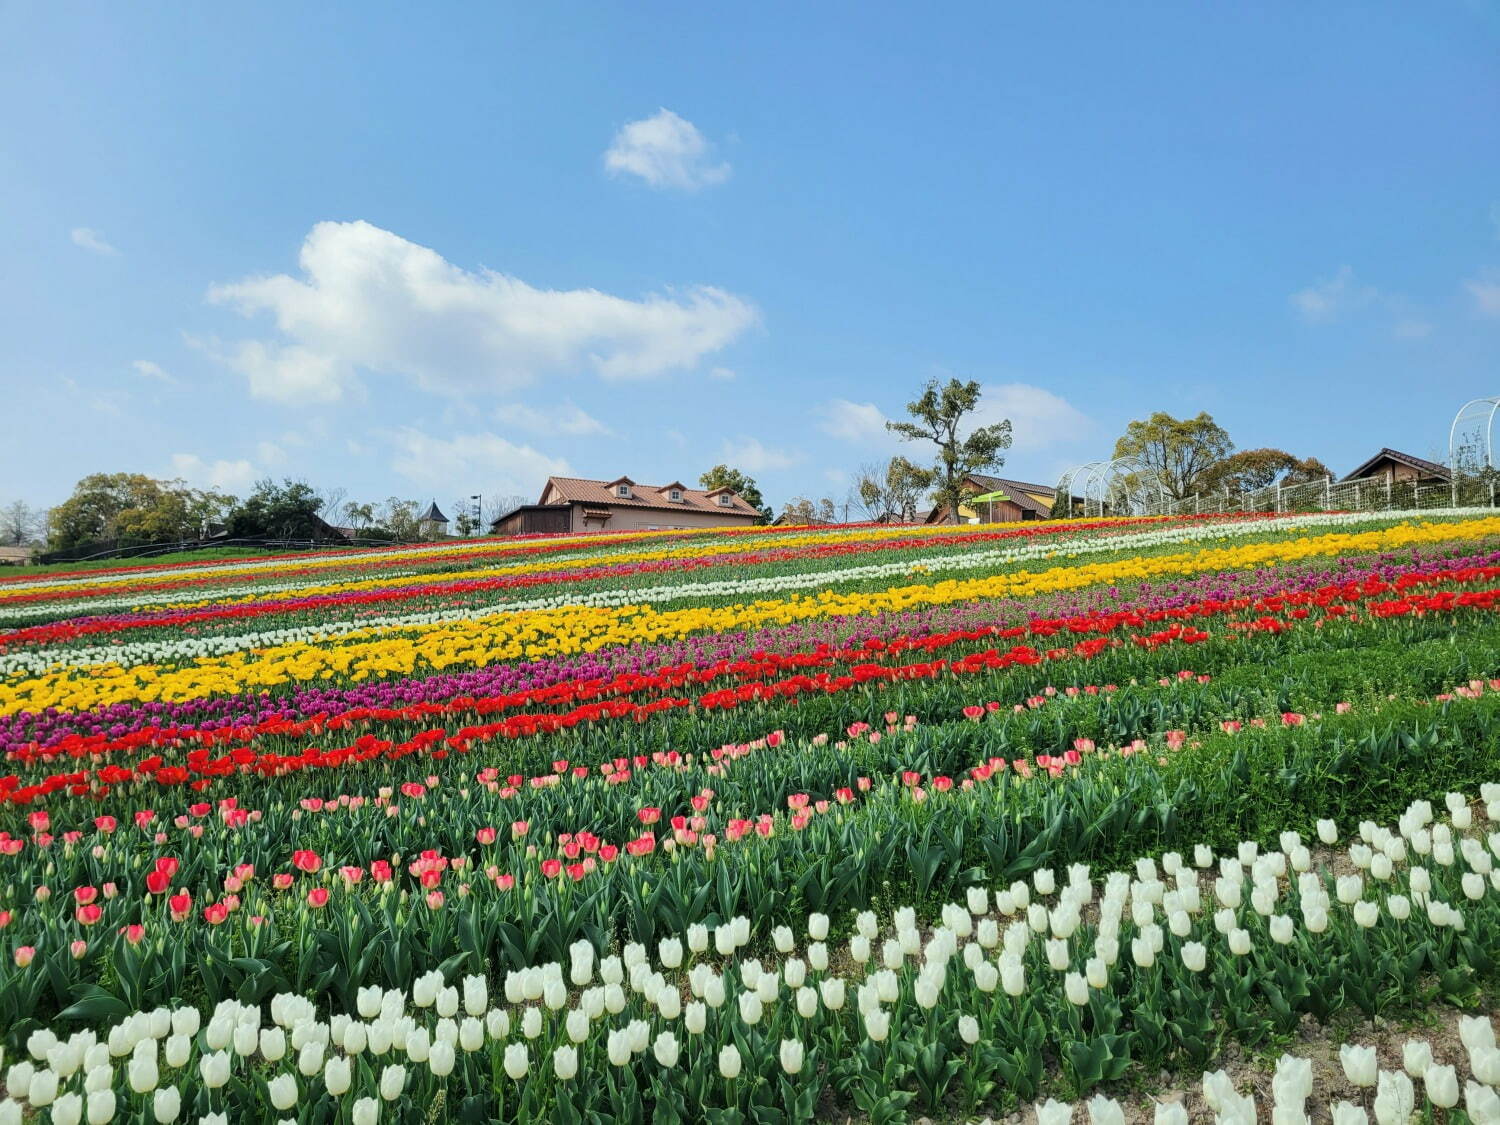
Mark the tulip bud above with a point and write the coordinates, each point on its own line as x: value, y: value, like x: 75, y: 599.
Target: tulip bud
x: 729, y: 1061
x: 166, y: 1104
x: 1359, y: 1064
x: 968, y: 1029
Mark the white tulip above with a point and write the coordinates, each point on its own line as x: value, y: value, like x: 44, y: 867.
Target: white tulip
x: 1395, y: 1098
x: 1360, y: 1065
x: 166, y: 1104
x: 1416, y: 1057
x: 1347, y: 1113
x: 441, y: 1058
x: 1482, y: 1104
x: 565, y: 1062
x: 282, y: 1091
x: 517, y: 1061
x: 337, y: 1075
x: 1441, y: 1084
x: 366, y: 1112
x: 729, y: 1061
x: 791, y: 1056
x: 1170, y: 1113
x: 1053, y: 1112
x: 1105, y: 1111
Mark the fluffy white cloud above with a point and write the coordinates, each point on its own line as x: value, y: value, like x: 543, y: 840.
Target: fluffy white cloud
x: 667, y: 151
x: 1039, y: 419
x: 749, y: 455
x: 227, y: 476
x: 854, y: 421
x: 470, y: 462
x: 369, y: 299
x: 148, y: 370
x: 1486, y: 294
x: 565, y: 419
x: 92, y: 240
x: 1328, y: 300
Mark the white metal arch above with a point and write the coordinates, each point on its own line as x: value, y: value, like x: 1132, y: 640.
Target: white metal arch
x: 1474, y: 416
x: 1118, y: 485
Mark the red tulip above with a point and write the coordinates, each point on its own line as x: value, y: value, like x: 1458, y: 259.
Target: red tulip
x: 88, y: 915
x: 317, y: 898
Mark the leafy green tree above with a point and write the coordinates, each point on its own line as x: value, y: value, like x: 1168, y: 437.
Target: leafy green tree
x: 722, y: 476
x: 399, y: 518
x: 113, y: 507
x: 1176, y: 453
x: 288, y: 510
x: 938, y: 416
x: 1252, y: 469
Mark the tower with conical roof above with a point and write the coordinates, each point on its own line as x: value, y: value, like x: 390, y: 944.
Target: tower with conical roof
x: 432, y: 524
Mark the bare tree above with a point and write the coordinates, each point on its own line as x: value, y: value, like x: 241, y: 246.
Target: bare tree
x: 331, y: 502
x: 499, y: 503
x: 892, y: 491
x: 20, y: 523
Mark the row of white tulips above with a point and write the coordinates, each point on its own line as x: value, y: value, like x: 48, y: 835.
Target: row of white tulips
x: 1394, y: 1102
x: 1053, y: 942
x: 33, y: 661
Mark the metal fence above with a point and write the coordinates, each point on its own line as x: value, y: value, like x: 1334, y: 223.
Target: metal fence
x: 94, y: 551
x: 1329, y: 495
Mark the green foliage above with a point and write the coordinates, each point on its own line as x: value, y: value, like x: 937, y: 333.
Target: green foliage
x: 109, y: 507
x: 288, y: 510
x: 938, y: 416
x: 1253, y: 469
x: 743, y: 485
x: 1176, y: 452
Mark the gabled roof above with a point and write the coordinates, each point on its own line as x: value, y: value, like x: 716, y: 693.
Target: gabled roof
x: 600, y: 494
x: 1018, y: 491
x: 432, y: 513
x: 1421, y: 464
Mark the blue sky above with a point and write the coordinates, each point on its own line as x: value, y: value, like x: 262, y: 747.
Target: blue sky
x: 437, y: 251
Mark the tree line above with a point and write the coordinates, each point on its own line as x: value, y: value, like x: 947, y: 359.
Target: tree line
x: 1180, y: 457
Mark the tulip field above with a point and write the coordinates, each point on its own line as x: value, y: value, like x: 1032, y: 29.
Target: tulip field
x: 865, y: 823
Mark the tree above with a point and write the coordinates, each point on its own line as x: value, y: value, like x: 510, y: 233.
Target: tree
x: 19, y: 523
x: 399, y: 517
x: 893, y: 491
x: 799, y: 509
x: 288, y: 510
x: 1252, y: 469
x: 359, y: 516
x: 722, y: 476
x: 938, y: 416
x: 115, y: 507
x: 1176, y: 453
x: 466, y: 522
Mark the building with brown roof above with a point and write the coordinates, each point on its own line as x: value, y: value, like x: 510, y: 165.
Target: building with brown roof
x: 572, y: 504
x: 1397, y: 468
x: 1023, y: 501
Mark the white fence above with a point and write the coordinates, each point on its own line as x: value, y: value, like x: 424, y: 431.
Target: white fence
x: 1329, y: 495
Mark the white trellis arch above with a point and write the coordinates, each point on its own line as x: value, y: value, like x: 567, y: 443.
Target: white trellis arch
x: 1116, y: 486
x: 1471, y: 438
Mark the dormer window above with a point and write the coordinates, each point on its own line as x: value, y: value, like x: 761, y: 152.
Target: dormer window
x: 676, y: 494
x: 622, y: 491
x: 726, y: 500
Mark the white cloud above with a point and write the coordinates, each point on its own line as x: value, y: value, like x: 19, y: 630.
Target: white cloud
x: 749, y: 455
x: 148, y: 370
x: 1328, y: 300
x: 470, y: 462
x: 565, y: 419
x: 725, y: 373
x: 1039, y: 419
x: 667, y: 151
x: 854, y: 421
x: 1486, y: 294
x: 270, y: 453
x: 370, y: 299
x: 227, y: 476
x: 92, y: 240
